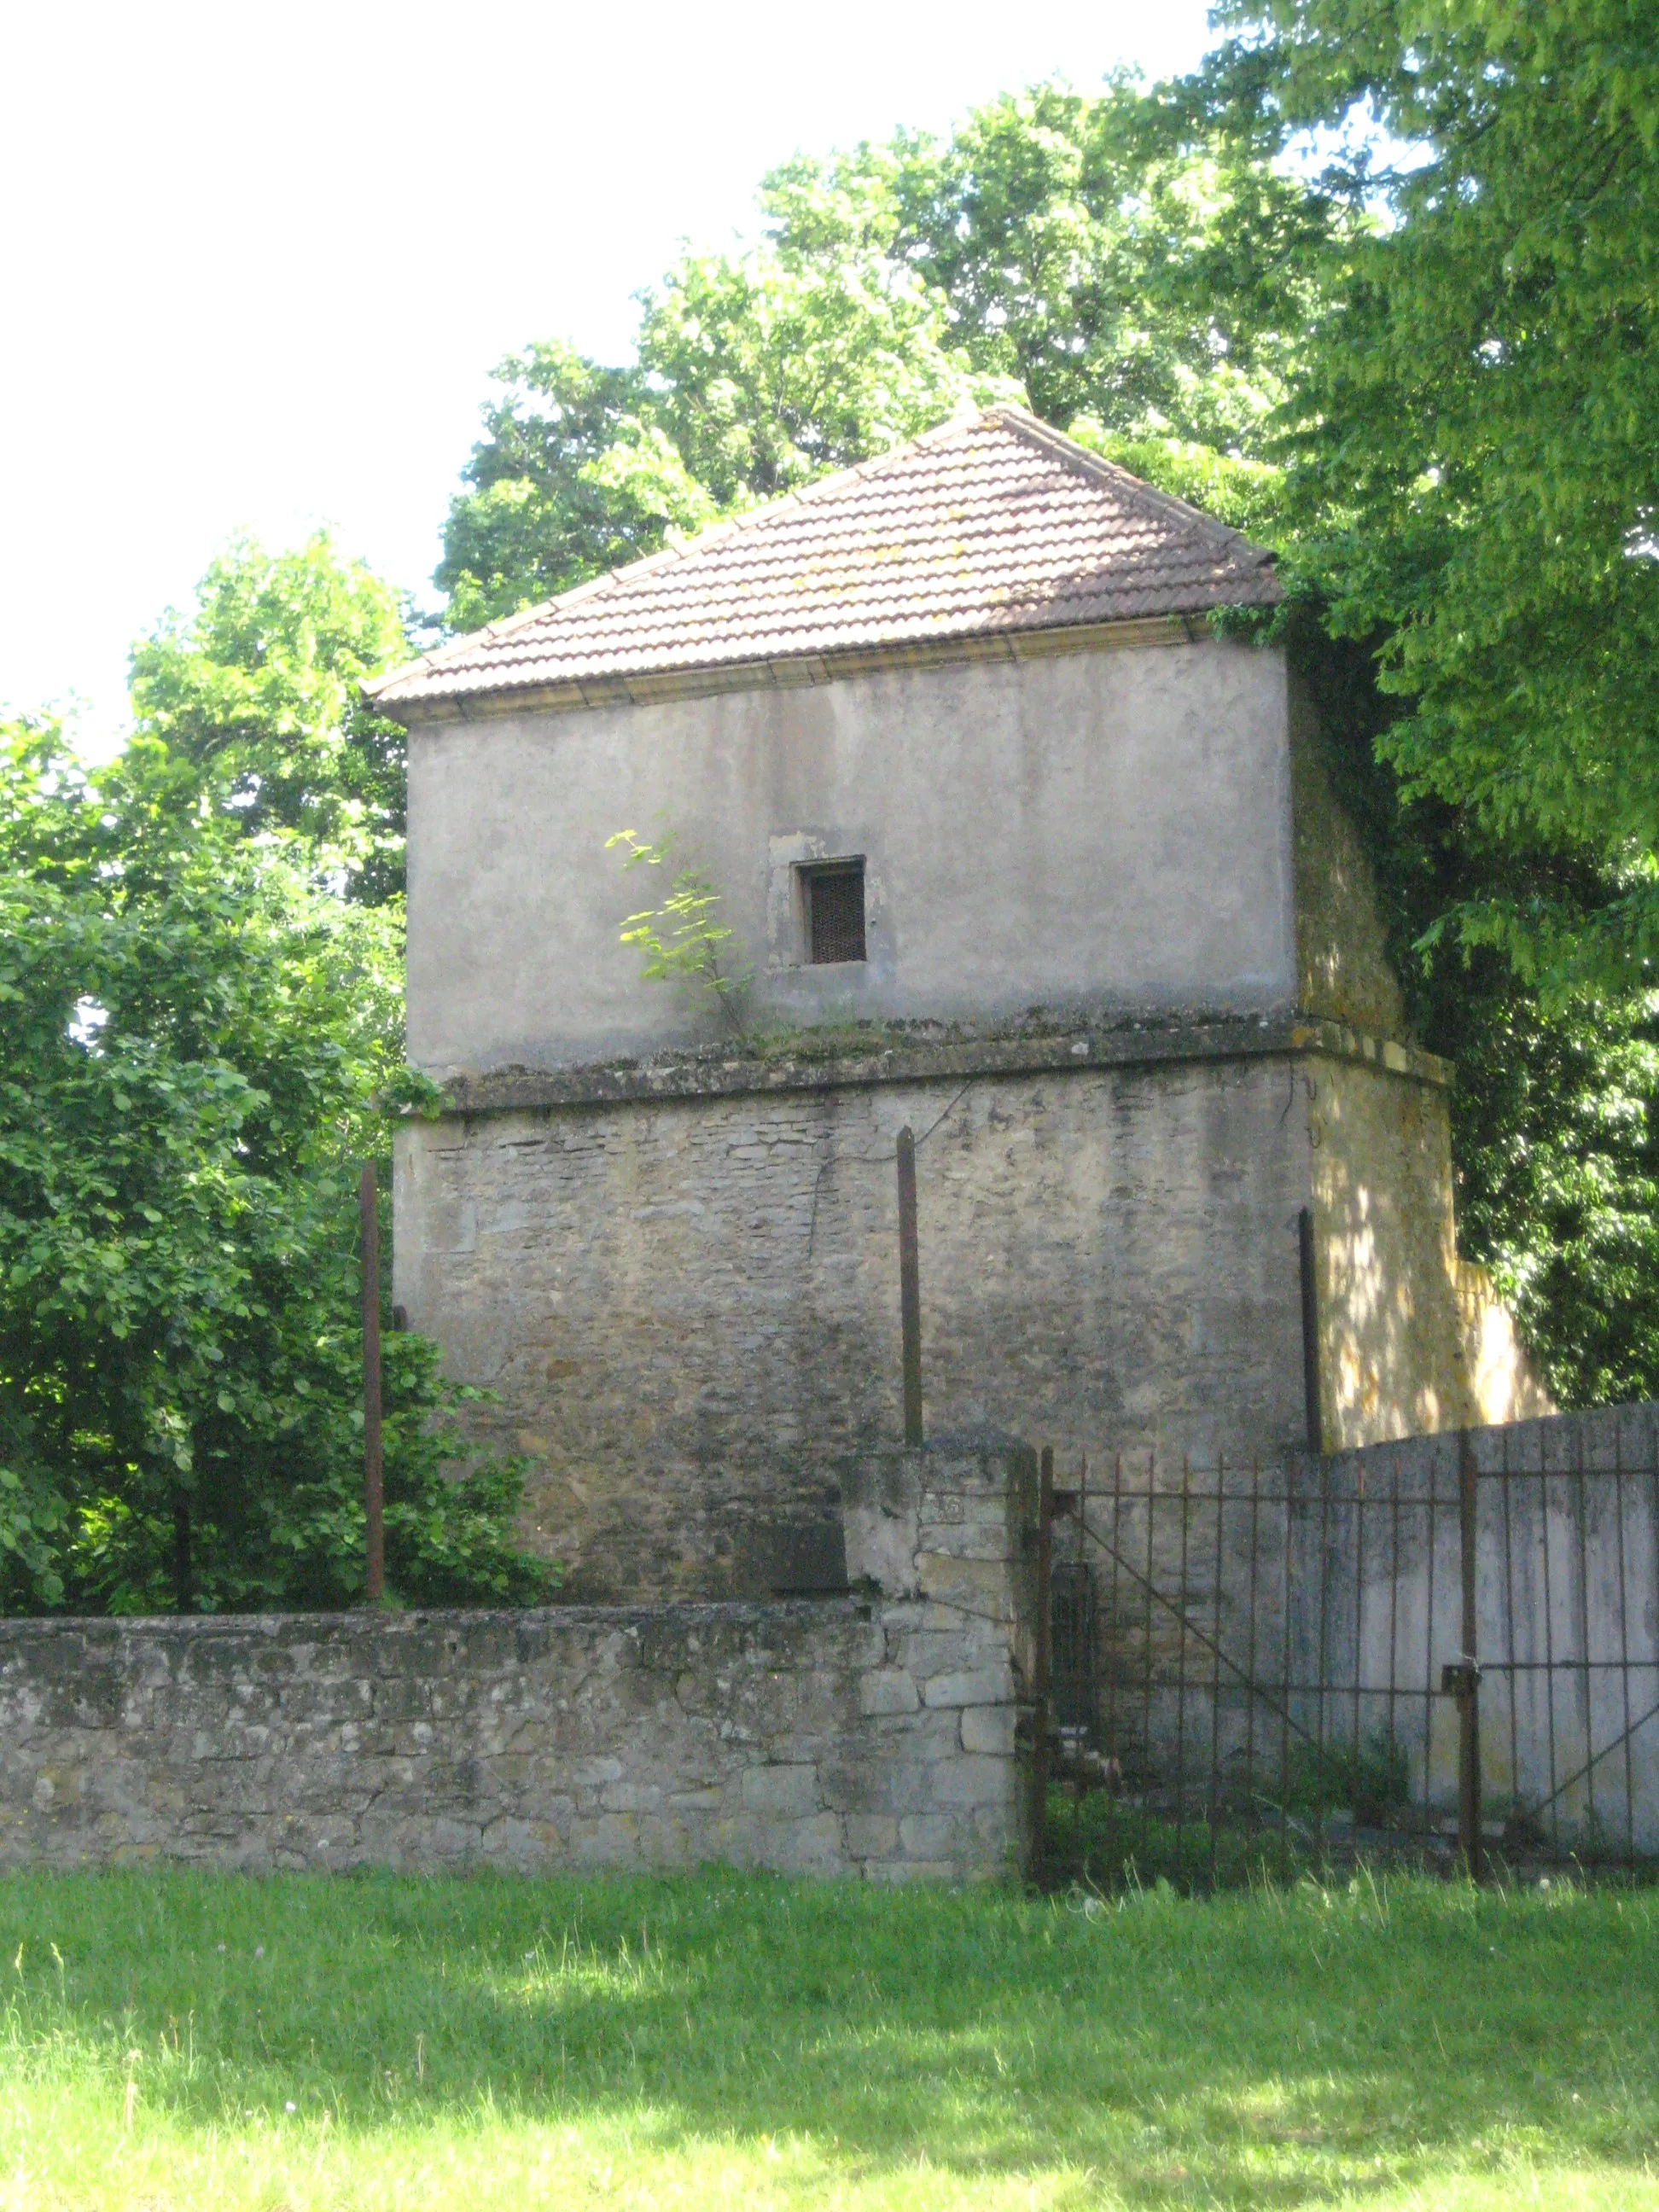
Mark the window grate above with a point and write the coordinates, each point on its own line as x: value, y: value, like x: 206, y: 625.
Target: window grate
x: 835, y: 912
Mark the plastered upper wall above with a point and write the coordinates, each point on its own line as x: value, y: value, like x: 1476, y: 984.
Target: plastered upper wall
x: 1100, y: 829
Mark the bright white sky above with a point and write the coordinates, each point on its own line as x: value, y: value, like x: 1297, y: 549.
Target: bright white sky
x: 258, y: 261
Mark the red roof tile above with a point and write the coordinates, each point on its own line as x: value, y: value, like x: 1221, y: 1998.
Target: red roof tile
x: 981, y: 528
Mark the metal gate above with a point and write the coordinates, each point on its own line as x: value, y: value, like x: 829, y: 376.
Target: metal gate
x: 1417, y: 1653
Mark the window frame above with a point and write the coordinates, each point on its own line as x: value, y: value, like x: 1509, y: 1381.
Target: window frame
x: 808, y: 874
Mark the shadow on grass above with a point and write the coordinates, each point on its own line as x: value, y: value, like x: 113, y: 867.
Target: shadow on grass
x: 1264, y: 2050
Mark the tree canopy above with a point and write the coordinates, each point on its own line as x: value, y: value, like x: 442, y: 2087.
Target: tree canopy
x: 1472, y: 439
x: 1059, y: 249
x: 197, y: 1044
x: 258, y: 686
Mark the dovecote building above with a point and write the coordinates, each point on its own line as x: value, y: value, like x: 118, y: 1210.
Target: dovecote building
x: 1026, y: 856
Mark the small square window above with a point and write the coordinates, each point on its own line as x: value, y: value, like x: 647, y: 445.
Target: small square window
x: 834, y: 897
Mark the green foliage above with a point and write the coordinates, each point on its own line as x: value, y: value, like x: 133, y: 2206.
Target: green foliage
x: 816, y: 348
x: 1475, y: 439
x: 1553, y: 1122
x: 1105, y: 264
x: 1246, y: 495
x: 715, y: 2040
x: 1372, y: 1779
x: 1060, y: 247
x: 572, y: 478
x: 197, y: 1045
x: 682, y: 942
x: 1552, y: 1111
x: 257, y: 685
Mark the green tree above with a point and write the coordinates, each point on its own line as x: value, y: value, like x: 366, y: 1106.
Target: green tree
x: 197, y: 1045
x: 1066, y: 249
x: 573, y: 476
x: 1110, y: 265
x: 256, y: 684
x: 683, y: 941
x: 813, y: 349
x: 1474, y: 442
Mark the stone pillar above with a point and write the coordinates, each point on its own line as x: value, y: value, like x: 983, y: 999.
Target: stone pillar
x: 940, y: 1538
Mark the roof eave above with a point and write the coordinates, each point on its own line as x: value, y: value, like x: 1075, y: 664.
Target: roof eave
x: 802, y: 670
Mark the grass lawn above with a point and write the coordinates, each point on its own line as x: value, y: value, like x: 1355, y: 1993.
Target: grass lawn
x: 174, y: 2039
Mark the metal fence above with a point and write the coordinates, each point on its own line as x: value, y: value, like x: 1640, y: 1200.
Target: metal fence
x: 1444, y: 1651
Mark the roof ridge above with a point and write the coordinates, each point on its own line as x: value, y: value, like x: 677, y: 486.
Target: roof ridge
x: 1135, y: 488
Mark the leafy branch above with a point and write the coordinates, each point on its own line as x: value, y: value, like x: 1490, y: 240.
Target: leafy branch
x: 683, y: 941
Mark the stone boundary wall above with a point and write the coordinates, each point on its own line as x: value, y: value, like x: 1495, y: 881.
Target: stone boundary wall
x: 870, y: 1735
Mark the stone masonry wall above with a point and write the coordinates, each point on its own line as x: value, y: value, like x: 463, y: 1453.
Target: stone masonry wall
x: 872, y: 1735
x: 688, y: 1308
x: 686, y: 1301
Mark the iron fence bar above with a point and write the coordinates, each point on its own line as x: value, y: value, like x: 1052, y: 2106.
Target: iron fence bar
x: 1249, y: 1702
x: 1428, y: 1653
x: 1324, y: 1631
x: 1146, y: 1732
x: 1040, y: 1713
x: 1358, y: 1632
x: 1285, y: 1710
x: 1509, y: 1624
x: 1215, y: 1689
x: 1579, y: 1773
x: 1091, y: 1629
x: 1181, y: 1675
x: 1115, y: 1772
x: 1268, y: 1496
x: 1551, y: 1801
x: 1624, y: 1654
x: 1394, y: 1616
x: 1155, y: 1595
x: 1470, y: 1823
x: 1581, y: 1521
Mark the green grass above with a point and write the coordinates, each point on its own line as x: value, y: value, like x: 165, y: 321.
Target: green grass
x: 175, y: 2040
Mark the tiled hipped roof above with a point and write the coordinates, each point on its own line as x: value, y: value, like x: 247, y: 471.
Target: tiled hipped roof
x: 982, y: 528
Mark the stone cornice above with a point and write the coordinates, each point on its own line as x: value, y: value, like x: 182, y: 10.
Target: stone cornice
x: 791, y: 672
x: 512, y: 1089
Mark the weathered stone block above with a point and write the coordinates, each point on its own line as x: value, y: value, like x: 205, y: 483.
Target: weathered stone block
x: 813, y: 1845
x: 870, y: 1835
x: 897, y: 1870
x: 973, y: 1779
x: 889, y: 1690
x: 990, y: 1729
x: 630, y: 1797
x: 780, y: 1789
x: 929, y: 1835
x: 982, y: 1686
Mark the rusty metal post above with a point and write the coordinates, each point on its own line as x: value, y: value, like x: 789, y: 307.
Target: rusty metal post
x: 1469, y: 1839
x: 1311, y: 1389
x: 909, y: 1286
x: 183, y: 1592
x: 1039, y: 1714
x: 368, y: 1212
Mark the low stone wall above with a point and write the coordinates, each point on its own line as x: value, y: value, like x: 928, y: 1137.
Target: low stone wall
x: 873, y: 1734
